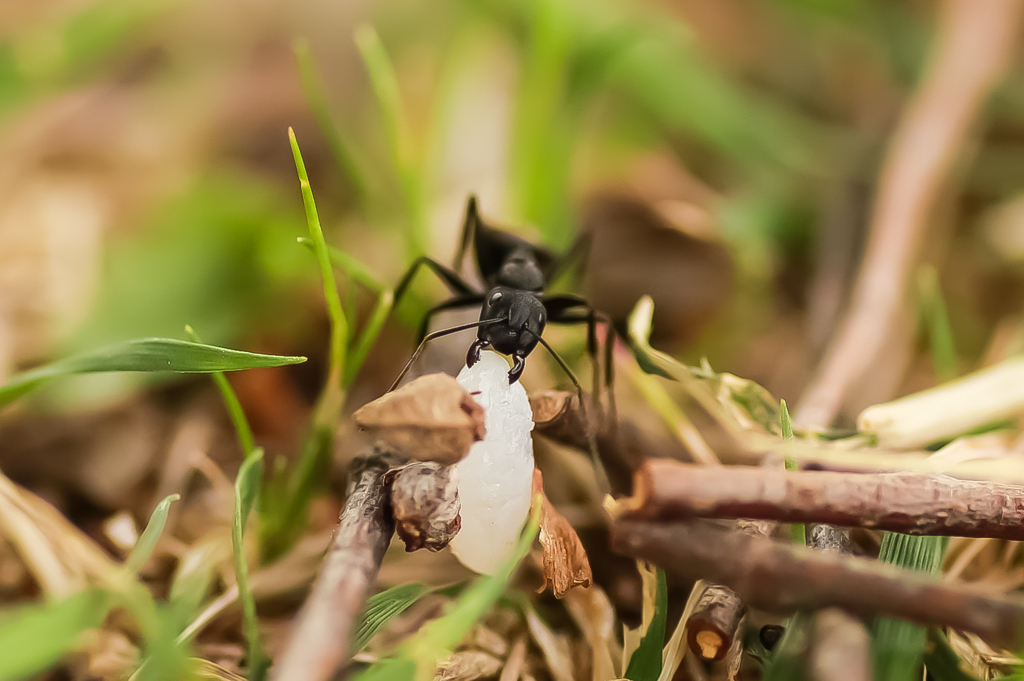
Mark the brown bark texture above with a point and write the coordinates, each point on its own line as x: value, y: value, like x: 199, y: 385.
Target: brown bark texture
x: 712, y: 626
x: 621, y: 445
x: 425, y: 502
x: 319, y: 643
x: 911, y: 503
x: 782, y: 577
x: 711, y: 629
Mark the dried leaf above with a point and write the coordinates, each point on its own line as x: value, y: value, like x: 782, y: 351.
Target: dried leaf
x: 981, y: 660
x: 595, y: 616
x: 487, y: 640
x: 430, y: 419
x: 548, y: 405
x: 554, y: 647
x: 513, y: 668
x: 468, y: 665
x: 425, y: 503
x: 565, y: 561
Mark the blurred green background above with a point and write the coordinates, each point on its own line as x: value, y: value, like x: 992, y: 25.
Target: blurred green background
x: 146, y: 180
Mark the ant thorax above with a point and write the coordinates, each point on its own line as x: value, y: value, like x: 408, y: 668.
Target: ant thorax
x: 521, y: 271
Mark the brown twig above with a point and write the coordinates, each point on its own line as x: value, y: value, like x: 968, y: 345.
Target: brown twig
x: 319, y: 643
x: 974, y: 47
x: 782, y: 577
x: 622, y: 446
x: 712, y: 626
x: 711, y: 629
x: 911, y: 503
x: 425, y: 502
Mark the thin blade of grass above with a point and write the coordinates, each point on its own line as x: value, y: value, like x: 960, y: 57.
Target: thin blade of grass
x: 341, y: 149
x: 339, y: 325
x: 389, y: 99
x: 284, y: 520
x: 385, y: 301
x: 349, y: 265
x: 145, y: 355
x: 234, y: 407
x: 799, y: 529
x: 788, y: 662
x: 382, y: 607
x: 34, y: 637
x: 283, y: 527
x: 936, y: 321
x: 645, y: 663
x: 143, y: 548
x: 898, y: 647
x: 446, y: 631
x: 417, y: 658
x: 941, y: 660
x: 247, y: 488
x: 193, y: 579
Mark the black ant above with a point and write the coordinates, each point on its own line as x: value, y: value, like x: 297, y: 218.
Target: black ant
x: 514, y: 308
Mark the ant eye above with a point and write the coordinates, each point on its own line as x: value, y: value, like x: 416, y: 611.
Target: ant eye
x: 495, y: 297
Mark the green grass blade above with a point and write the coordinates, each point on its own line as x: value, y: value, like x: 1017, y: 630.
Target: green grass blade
x: 787, y: 431
x: 787, y: 661
x: 418, y: 657
x: 351, y: 266
x: 389, y: 99
x: 369, y: 335
x: 34, y: 637
x: 936, y: 320
x: 234, y: 407
x: 942, y: 661
x: 639, y: 331
x: 645, y: 663
x: 799, y: 529
x: 146, y: 355
x: 143, y: 548
x: 247, y: 488
x: 284, y: 521
x: 312, y: 85
x: 542, y: 133
x: 283, y: 526
x: 382, y: 607
x: 898, y: 647
x: 339, y: 325
x: 193, y: 579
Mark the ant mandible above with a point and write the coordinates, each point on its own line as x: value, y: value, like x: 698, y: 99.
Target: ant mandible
x: 514, y: 308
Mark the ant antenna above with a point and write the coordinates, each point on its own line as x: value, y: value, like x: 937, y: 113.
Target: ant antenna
x: 433, y: 336
x: 602, y: 475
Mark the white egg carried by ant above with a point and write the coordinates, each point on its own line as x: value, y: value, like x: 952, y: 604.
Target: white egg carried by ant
x: 496, y: 477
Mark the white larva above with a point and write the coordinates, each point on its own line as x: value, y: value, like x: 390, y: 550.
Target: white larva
x: 496, y: 476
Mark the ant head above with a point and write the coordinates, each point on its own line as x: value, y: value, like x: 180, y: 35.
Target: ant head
x: 523, y: 318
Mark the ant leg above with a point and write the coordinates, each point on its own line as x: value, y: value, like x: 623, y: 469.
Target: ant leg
x: 452, y: 304
x: 456, y: 284
x: 434, y: 336
x: 469, y: 224
x: 602, y: 475
x: 572, y: 309
x: 574, y: 258
x: 561, y: 312
x: 609, y: 371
